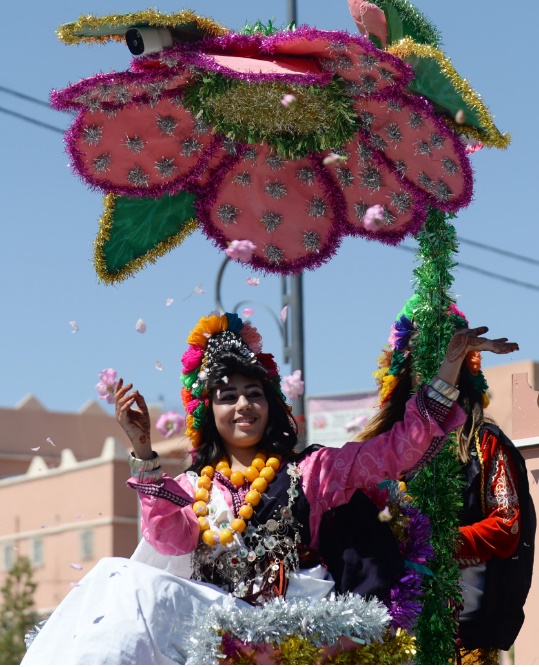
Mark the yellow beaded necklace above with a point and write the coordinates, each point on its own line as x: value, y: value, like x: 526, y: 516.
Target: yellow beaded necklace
x: 260, y: 473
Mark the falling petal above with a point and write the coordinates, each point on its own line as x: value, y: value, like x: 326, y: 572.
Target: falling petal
x: 334, y: 157
x: 35, y: 449
x: 285, y: 433
x: 141, y: 326
x: 49, y: 440
x: 293, y: 386
x: 284, y: 314
x: 460, y: 117
x: 74, y: 326
x: 79, y: 516
x: 253, y: 281
x: 73, y: 584
x: 169, y: 302
x: 43, y: 525
x: 247, y: 312
x: 197, y: 290
x: 224, y: 379
x: 170, y: 423
x: 384, y: 515
x: 289, y: 101
x: 76, y: 566
x: 99, y: 618
x: 159, y: 365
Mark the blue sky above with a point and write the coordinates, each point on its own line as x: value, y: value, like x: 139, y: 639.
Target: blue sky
x: 49, y: 221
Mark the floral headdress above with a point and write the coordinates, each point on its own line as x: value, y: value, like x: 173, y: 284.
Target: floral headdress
x: 401, y: 345
x: 211, y: 336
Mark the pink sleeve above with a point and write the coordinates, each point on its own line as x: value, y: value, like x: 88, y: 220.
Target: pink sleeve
x: 331, y: 475
x: 167, y: 518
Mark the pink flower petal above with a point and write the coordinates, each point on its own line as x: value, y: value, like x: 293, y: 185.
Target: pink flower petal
x: 384, y: 515
x: 159, y: 365
x: 169, y: 302
x: 141, y: 326
x: 283, y: 314
x: 73, y: 584
x: 293, y: 385
x: 334, y: 157
x: 74, y: 326
x: 76, y: 566
x: 289, y: 101
x: 170, y: 423
x: 224, y: 379
x: 253, y: 281
x: 460, y: 117
x: 49, y: 440
x: 247, y: 312
x: 35, y: 449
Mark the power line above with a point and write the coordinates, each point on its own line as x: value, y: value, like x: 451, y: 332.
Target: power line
x: 505, y: 253
x: 28, y: 119
x: 22, y: 96
x: 489, y: 274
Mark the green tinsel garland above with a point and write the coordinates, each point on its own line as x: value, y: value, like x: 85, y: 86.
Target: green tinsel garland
x: 404, y: 19
x: 437, y: 489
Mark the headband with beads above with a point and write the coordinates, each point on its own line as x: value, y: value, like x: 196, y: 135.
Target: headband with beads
x: 401, y: 345
x: 211, y: 336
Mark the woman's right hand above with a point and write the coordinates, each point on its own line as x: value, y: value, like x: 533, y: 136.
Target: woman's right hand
x: 135, y: 421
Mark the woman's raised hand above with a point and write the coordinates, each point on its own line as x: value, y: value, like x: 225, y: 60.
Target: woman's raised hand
x: 135, y: 421
x: 468, y: 340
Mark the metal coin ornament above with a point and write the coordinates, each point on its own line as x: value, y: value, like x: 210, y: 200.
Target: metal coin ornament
x: 282, y: 137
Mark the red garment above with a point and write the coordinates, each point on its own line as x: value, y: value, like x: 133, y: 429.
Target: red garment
x: 497, y: 535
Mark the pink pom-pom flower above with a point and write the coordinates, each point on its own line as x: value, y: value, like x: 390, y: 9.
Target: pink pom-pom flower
x: 293, y: 385
x: 107, y: 385
x: 242, y: 251
x: 374, y: 217
x: 170, y: 423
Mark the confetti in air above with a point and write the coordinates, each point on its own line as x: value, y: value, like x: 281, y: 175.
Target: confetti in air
x: 169, y: 302
x: 334, y: 157
x: 289, y: 101
x: 76, y: 566
x: 247, y: 312
x: 74, y: 326
x: 284, y: 314
x: 460, y: 117
x: 141, y: 326
x: 158, y: 365
x: 35, y: 449
x: 49, y: 440
x: 253, y: 281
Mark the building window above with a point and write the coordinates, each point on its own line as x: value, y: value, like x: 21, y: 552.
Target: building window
x: 8, y: 559
x: 87, y: 544
x: 36, y: 551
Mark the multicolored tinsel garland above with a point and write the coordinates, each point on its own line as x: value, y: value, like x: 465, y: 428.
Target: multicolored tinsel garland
x: 437, y: 489
x: 297, y: 630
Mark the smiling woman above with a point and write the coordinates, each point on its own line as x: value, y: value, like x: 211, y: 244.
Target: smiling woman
x: 230, y: 563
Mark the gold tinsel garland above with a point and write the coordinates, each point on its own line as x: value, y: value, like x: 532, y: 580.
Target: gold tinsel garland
x: 73, y: 33
x: 149, y: 257
x: 491, y: 136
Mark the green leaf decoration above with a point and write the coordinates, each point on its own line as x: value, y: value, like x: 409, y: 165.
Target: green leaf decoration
x: 134, y: 231
x: 404, y: 20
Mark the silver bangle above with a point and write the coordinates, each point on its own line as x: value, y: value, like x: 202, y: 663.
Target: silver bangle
x: 444, y: 388
x: 149, y: 476
x: 439, y: 398
x: 143, y: 465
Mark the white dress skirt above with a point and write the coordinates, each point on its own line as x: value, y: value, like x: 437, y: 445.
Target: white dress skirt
x: 140, y: 611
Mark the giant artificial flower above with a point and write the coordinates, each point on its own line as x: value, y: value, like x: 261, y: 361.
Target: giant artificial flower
x: 196, y: 135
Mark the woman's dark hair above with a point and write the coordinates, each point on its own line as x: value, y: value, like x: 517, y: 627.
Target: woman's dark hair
x: 281, y: 434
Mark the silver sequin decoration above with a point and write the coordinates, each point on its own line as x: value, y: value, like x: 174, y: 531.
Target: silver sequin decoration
x: 436, y: 140
x: 400, y: 167
x: 250, y: 154
x: 227, y: 213
x: 92, y: 134
x: 423, y: 148
x: 368, y: 61
x: 450, y: 167
x: 385, y: 74
x: 105, y: 89
x: 306, y: 175
x: 368, y: 84
x: 389, y: 217
x: 275, y: 189
x: 345, y: 177
x: 102, y: 162
x: 311, y: 241
x: 201, y: 126
x: 165, y: 167
x: 353, y: 89
x: 425, y: 182
x: 273, y: 253
x: 341, y: 62
x: 275, y: 162
x: 121, y: 94
x: 366, y: 119
x: 401, y: 201
x: 343, y: 152
x: 371, y: 178
x: 377, y: 141
x: 169, y: 60
x: 361, y: 210
x: 394, y: 105
x: 155, y: 88
x: 167, y: 124
x: 271, y: 221
x: 138, y: 177
x: 243, y: 179
x: 189, y: 147
x: 135, y: 144
x: 317, y: 208
x: 442, y: 191
x: 416, y: 120
x: 94, y: 105
x: 177, y: 101
x: 364, y: 153
x: 394, y: 133
x: 230, y: 146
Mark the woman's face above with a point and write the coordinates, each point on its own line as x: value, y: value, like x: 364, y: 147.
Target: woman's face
x: 240, y: 410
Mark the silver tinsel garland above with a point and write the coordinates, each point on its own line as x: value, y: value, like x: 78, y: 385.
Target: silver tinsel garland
x: 322, y: 621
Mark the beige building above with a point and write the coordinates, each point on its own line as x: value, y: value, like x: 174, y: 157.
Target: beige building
x: 66, y: 505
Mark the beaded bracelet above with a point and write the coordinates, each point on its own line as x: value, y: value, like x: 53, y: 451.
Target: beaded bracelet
x: 444, y: 388
x: 143, y: 465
